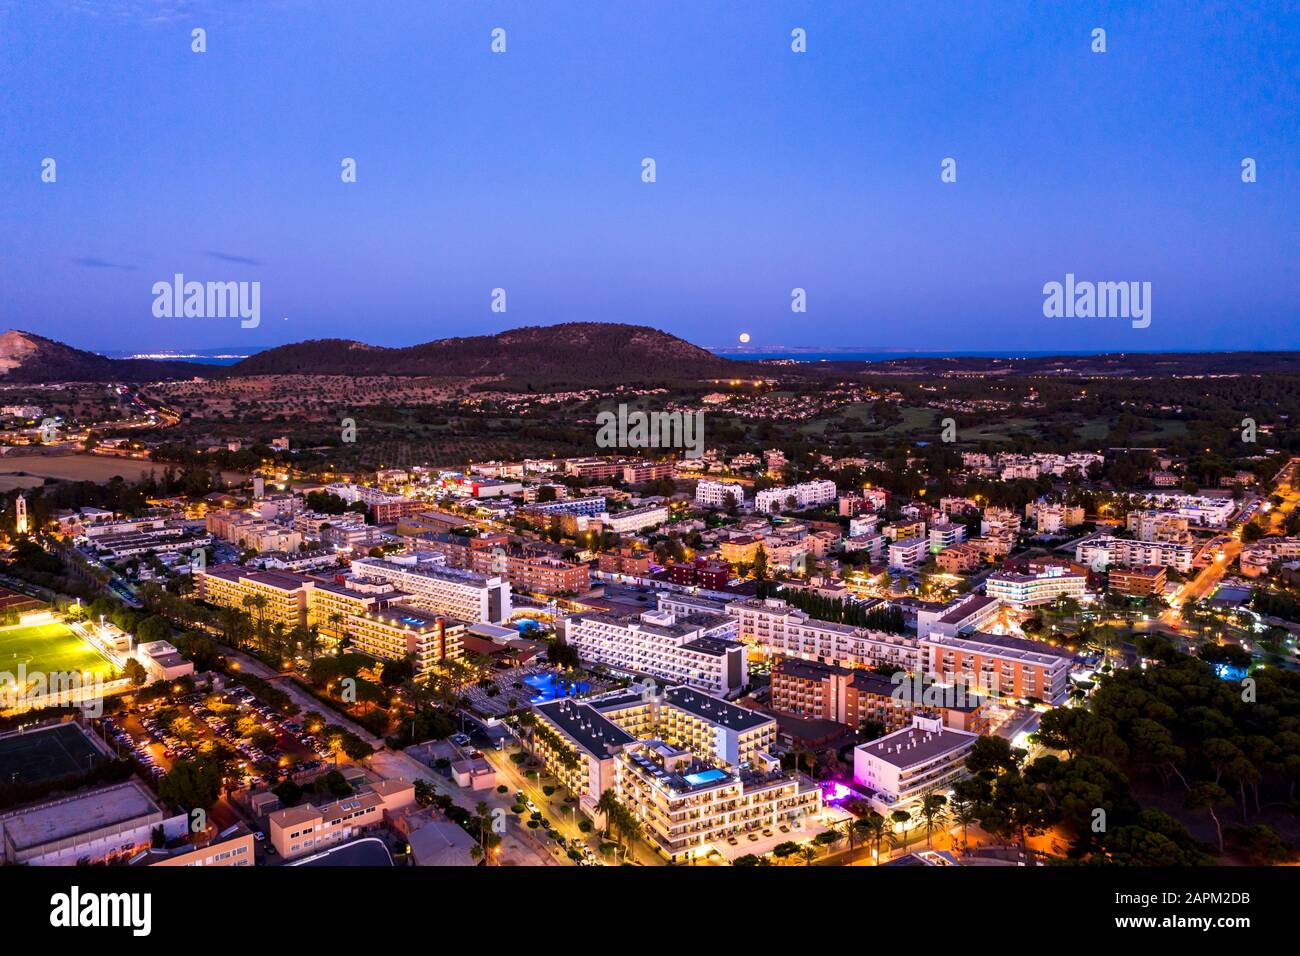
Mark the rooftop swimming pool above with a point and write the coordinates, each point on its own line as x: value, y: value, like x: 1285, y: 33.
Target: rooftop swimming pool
x: 705, y: 776
x: 550, y: 687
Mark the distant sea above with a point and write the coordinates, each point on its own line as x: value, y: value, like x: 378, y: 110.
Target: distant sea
x: 198, y: 356
x: 798, y: 355
x: 231, y: 356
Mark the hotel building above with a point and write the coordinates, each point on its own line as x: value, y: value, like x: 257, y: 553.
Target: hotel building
x: 853, y: 696
x: 772, y: 627
x: 1102, y: 550
x: 900, y: 768
x: 635, y: 519
x: 946, y: 535
x: 464, y: 595
x: 694, y: 770
x: 1030, y: 590
x: 1053, y: 517
x: 393, y: 632
x: 960, y: 558
x: 384, y: 506
x: 991, y: 664
x: 229, y: 586
x: 698, y: 650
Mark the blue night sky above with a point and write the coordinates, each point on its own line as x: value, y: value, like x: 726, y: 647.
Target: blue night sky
x: 775, y: 170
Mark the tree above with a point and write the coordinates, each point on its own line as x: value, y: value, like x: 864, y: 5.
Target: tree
x: 608, y: 805
x: 134, y: 672
x: 783, y: 851
x: 191, y: 784
x: 152, y: 629
x: 932, y: 810
x: 962, y: 808
x: 874, y: 829
x: 1207, y: 796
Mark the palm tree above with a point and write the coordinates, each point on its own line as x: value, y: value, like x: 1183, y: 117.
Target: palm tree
x: 963, y: 813
x: 256, y: 604
x: 311, y: 642
x: 809, y: 853
x: 932, y: 809
x: 873, y: 828
x: 608, y: 805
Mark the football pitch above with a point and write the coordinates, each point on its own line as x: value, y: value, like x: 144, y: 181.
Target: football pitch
x: 40, y: 755
x: 50, y: 649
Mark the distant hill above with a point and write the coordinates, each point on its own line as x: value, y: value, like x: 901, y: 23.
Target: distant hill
x: 1118, y: 364
x: 28, y: 358
x: 578, y: 354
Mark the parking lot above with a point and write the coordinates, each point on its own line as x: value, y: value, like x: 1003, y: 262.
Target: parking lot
x: 263, y: 745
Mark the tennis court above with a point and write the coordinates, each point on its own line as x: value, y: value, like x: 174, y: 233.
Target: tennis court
x: 44, y: 754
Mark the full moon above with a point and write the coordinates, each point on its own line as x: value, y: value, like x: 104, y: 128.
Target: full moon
x: 744, y: 337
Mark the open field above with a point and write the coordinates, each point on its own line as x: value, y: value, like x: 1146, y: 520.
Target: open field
x: 96, y: 468
x: 45, y: 754
x: 11, y: 482
x: 50, y: 649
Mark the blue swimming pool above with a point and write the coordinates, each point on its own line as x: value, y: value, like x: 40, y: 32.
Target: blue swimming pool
x: 705, y: 776
x: 552, y: 687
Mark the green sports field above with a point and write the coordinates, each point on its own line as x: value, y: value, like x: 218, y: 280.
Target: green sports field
x: 50, y: 649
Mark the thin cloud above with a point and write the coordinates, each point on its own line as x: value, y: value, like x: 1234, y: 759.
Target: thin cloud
x: 90, y: 262
x: 230, y: 257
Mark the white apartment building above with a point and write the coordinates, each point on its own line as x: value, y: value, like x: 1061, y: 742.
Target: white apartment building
x: 698, y: 650
x: 1201, y: 511
x: 945, y: 536
x: 1152, y: 525
x: 772, y: 627
x: 999, y: 521
x: 968, y: 612
x: 908, y: 554
x: 1258, y: 557
x: 863, y: 524
x: 635, y: 519
x: 465, y: 595
x: 1030, y: 590
x: 719, y: 494
x: 1053, y: 517
x: 1102, y: 550
x: 900, y: 768
x: 806, y: 494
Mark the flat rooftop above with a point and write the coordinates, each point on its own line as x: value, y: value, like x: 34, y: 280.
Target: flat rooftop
x: 914, y: 746
x: 35, y: 826
x: 585, y: 725
x: 967, y: 607
x: 1018, y: 647
x: 401, y: 615
x: 717, y: 711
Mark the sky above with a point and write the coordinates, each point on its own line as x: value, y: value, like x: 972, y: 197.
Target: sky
x: 774, y: 170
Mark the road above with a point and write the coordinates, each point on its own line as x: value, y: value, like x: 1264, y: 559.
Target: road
x: 1208, y: 578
